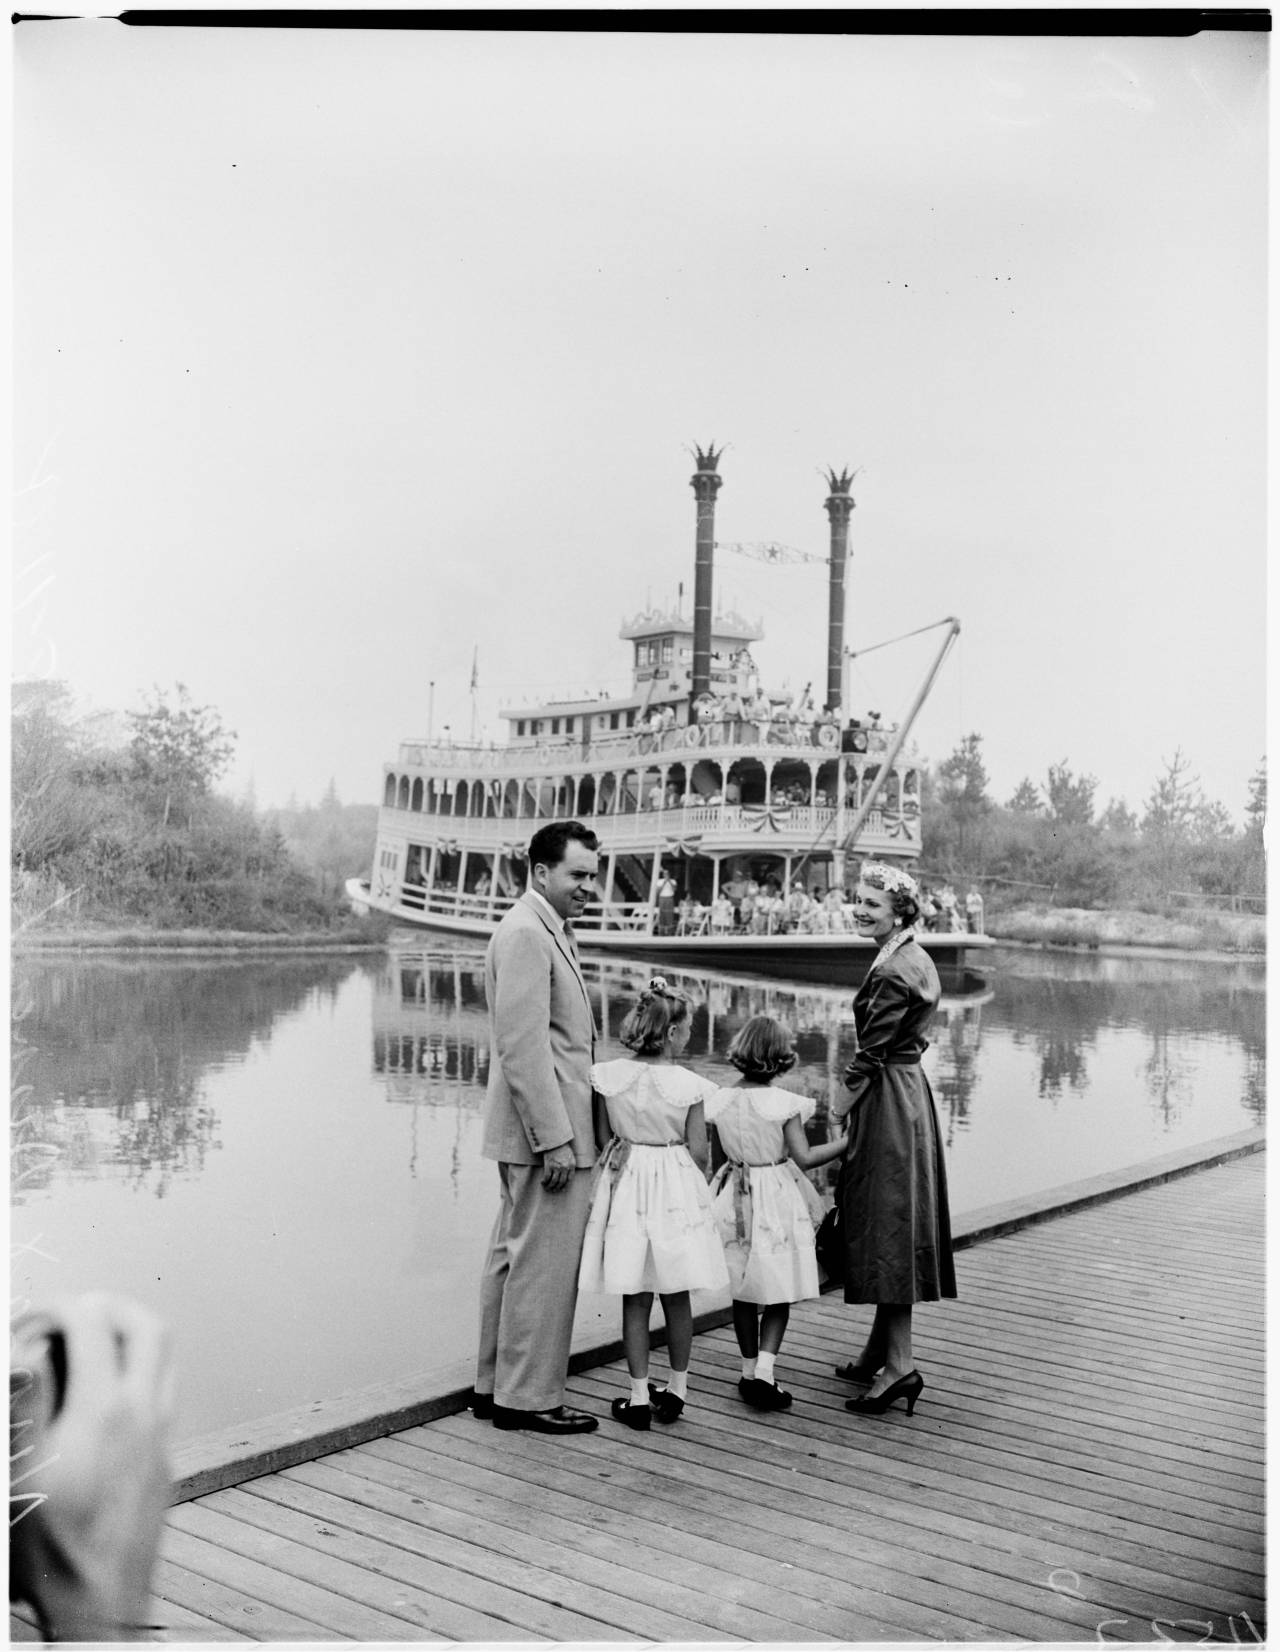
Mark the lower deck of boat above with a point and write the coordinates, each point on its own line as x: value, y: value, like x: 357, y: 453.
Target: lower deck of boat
x: 1085, y: 1464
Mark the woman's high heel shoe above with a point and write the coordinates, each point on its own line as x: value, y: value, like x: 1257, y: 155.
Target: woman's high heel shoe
x: 855, y: 1372
x: 907, y: 1388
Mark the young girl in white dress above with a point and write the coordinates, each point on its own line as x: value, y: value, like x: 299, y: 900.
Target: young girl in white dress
x: 651, y: 1227
x: 765, y: 1209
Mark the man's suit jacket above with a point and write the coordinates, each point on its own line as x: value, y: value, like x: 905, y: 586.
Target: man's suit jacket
x: 541, y: 1045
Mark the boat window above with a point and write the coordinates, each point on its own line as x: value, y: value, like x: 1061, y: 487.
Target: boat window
x: 389, y: 794
x: 415, y: 801
x: 402, y: 799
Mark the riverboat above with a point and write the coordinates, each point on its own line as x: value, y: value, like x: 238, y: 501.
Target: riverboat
x: 728, y: 811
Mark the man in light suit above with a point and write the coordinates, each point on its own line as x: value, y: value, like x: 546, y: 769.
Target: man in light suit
x: 538, y: 1126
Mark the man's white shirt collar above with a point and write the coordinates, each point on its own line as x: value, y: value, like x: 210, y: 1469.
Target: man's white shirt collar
x: 547, y: 907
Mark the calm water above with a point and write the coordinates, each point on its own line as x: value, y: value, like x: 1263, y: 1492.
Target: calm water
x: 281, y: 1156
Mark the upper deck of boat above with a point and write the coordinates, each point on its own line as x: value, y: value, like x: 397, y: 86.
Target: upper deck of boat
x: 772, y: 741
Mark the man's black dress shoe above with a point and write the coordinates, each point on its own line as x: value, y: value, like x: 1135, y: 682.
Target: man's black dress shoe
x: 559, y: 1420
x: 481, y: 1406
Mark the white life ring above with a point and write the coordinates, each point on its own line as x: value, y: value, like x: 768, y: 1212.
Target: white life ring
x: 544, y: 754
x: 827, y: 734
x: 693, y: 735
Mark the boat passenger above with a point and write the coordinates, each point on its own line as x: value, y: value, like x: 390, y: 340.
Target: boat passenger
x: 690, y: 916
x: 721, y: 914
x: 666, y: 905
x: 797, y: 905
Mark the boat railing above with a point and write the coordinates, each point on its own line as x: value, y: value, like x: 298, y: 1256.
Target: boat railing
x: 823, y: 739
x: 441, y: 901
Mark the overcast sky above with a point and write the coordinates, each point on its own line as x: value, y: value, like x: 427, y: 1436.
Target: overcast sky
x: 341, y: 355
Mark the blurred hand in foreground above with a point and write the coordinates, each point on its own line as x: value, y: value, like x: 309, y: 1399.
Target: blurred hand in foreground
x: 90, y: 1401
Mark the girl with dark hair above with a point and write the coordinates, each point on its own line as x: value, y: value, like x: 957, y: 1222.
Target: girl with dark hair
x: 765, y: 1209
x: 650, y: 1227
x: 892, y: 1190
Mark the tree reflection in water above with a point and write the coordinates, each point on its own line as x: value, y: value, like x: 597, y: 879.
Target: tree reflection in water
x: 113, y: 1055
x: 1062, y: 1003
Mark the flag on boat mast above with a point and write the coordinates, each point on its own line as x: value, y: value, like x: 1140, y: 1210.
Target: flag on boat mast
x: 475, y: 688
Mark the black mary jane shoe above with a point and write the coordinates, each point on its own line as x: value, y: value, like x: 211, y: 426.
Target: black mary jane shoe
x: 666, y: 1405
x: 634, y: 1416
x: 558, y: 1420
x: 763, y: 1396
x: 907, y: 1388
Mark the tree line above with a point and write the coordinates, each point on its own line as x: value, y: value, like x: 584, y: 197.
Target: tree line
x: 1051, y: 842
x: 133, y: 828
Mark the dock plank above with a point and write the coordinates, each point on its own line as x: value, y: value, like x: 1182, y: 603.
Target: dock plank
x: 1085, y: 1463
x: 626, y: 1583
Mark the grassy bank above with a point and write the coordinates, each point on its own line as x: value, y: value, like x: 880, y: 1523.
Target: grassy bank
x: 1078, y: 927
x: 359, y: 934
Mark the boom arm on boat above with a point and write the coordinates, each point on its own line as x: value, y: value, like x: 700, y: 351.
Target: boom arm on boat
x: 899, y: 739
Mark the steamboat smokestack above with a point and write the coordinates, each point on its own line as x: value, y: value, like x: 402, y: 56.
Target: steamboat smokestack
x: 839, y: 507
x: 705, y: 483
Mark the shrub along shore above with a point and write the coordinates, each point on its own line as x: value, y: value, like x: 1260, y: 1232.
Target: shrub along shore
x: 1119, y: 930
x: 360, y: 935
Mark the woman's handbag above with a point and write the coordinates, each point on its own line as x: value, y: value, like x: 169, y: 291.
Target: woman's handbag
x: 829, y: 1244
x: 828, y: 1241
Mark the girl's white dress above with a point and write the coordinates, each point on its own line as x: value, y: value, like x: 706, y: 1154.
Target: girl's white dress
x: 766, y: 1209
x: 650, y: 1227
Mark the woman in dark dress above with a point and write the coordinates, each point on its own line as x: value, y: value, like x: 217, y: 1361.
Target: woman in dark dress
x: 893, y: 1184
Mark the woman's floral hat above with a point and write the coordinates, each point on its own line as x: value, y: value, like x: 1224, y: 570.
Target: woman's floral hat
x: 892, y: 879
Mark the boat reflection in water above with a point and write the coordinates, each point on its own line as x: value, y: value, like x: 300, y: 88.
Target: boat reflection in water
x: 431, y: 1030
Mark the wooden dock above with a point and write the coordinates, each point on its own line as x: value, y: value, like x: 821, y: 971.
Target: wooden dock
x: 1085, y: 1464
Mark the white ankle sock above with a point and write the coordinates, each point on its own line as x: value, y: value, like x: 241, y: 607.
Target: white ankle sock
x: 639, y: 1391
x: 764, y: 1367
x: 678, y: 1384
